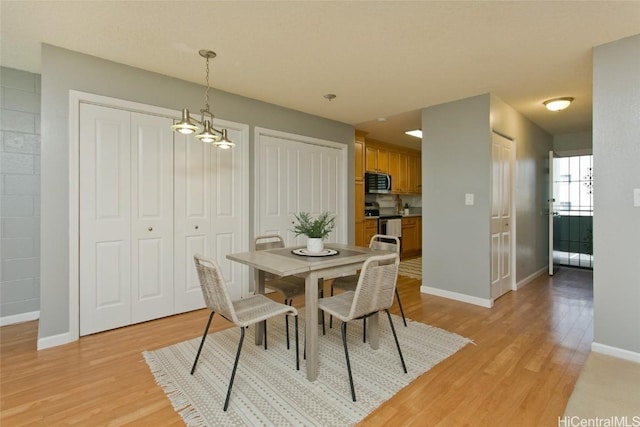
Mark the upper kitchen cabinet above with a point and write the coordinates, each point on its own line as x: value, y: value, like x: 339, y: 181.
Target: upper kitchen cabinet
x: 414, y: 173
x: 358, y: 153
x: 376, y: 158
x: 404, y: 166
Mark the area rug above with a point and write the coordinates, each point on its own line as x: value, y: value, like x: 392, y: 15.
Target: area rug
x: 607, y: 388
x: 411, y: 268
x: 269, y: 391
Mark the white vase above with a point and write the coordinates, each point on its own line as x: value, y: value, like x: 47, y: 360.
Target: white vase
x: 314, y: 244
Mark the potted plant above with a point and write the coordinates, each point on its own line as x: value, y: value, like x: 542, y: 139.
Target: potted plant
x: 316, y: 230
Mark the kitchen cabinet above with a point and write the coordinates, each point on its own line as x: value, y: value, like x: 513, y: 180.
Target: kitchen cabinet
x: 376, y: 158
x: 410, y: 237
x: 404, y: 166
x: 399, y: 170
x: 359, y: 213
x: 358, y: 153
x: 414, y: 174
x: 370, y: 229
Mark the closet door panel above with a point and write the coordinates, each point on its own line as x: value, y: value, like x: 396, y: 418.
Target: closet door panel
x: 227, y: 208
x: 152, y: 223
x: 192, y: 218
x: 105, y: 219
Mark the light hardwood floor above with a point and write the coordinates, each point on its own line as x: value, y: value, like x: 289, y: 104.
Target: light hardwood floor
x: 528, y: 353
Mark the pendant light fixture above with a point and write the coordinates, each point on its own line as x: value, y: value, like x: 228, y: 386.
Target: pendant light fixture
x: 188, y: 125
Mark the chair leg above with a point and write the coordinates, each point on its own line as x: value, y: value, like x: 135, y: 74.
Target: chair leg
x: 324, y: 330
x: 264, y: 328
x: 330, y: 316
x: 286, y: 322
x: 400, y: 305
x: 297, y: 348
x: 395, y: 337
x: 235, y: 366
x: 346, y: 355
x: 364, y: 329
x: 204, y: 336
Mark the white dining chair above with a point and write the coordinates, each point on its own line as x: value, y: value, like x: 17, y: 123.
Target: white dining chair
x: 288, y: 286
x: 348, y: 283
x: 373, y: 293
x: 242, y: 313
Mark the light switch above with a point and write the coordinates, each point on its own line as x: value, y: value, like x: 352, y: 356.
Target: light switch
x: 636, y: 197
x: 468, y: 199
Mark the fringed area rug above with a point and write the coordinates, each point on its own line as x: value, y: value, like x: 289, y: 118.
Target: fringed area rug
x: 411, y: 268
x: 269, y: 391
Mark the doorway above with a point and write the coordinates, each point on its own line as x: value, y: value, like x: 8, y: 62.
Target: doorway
x: 573, y: 211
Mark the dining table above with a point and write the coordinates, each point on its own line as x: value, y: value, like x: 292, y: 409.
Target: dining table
x: 335, y: 261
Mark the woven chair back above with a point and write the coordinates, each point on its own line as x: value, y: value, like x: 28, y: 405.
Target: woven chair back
x: 376, y: 285
x: 381, y: 242
x: 214, y: 288
x: 269, y: 241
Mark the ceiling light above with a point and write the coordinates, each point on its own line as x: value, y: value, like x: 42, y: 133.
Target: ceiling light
x: 558, y: 104
x: 188, y: 125
x: 416, y: 132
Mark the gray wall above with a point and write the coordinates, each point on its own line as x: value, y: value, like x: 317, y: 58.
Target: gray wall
x: 616, y: 153
x: 63, y: 70
x: 456, y: 158
x: 573, y: 144
x: 20, y: 203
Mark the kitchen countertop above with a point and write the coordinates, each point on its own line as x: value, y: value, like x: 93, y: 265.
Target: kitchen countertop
x: 403, y: 216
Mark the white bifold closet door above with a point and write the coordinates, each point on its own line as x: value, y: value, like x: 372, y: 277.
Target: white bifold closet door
x: 298, y: 174
x: 126, y: 218
x: 192, y: 218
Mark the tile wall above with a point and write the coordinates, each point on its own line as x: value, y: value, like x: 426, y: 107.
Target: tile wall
x: 19, y: 195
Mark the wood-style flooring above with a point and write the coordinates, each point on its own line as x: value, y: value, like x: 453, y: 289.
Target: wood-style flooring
x: 529, y: 349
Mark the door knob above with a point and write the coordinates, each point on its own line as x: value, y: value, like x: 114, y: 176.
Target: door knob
x: 150, y: 228
x: 196, y: 227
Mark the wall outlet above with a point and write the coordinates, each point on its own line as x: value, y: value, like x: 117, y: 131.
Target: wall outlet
x: 636, y: 197
x: 468, y: 199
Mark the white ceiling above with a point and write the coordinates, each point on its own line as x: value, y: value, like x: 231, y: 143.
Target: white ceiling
x: 382, y: 59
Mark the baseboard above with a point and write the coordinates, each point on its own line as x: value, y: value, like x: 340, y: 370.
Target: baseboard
x: 54, y: 340
x: 456, y: 296
x: 620, y: 353
x: 19, y: 318
x: 530, y: 278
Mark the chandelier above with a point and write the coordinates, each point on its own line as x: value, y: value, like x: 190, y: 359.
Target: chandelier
x: 188, y: 125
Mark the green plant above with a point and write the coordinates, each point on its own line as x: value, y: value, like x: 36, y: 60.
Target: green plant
x: 314, y: 228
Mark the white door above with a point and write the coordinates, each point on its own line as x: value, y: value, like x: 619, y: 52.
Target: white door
x: 152, y: 217
x: 192, y: 217
x: 229, y: 206
x: 552, y: 213
x: 126, y: 218
x: 501, y: 215
x: 105, y: 218
x: 295, y: 174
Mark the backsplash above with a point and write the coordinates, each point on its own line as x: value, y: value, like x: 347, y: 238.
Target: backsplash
x: 388, y: 202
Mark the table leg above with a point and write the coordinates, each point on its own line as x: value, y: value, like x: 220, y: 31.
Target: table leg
x: 259, y: 283
x: 311, y: 324
x: 373, y: 331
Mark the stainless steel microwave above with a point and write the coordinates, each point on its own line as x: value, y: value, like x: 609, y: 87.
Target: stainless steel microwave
x: 377, y: 183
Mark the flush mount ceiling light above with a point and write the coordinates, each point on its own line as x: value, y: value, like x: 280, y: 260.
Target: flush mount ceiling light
x: 416, y: 132
x: 558, y: 104
x: 188, y: 125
